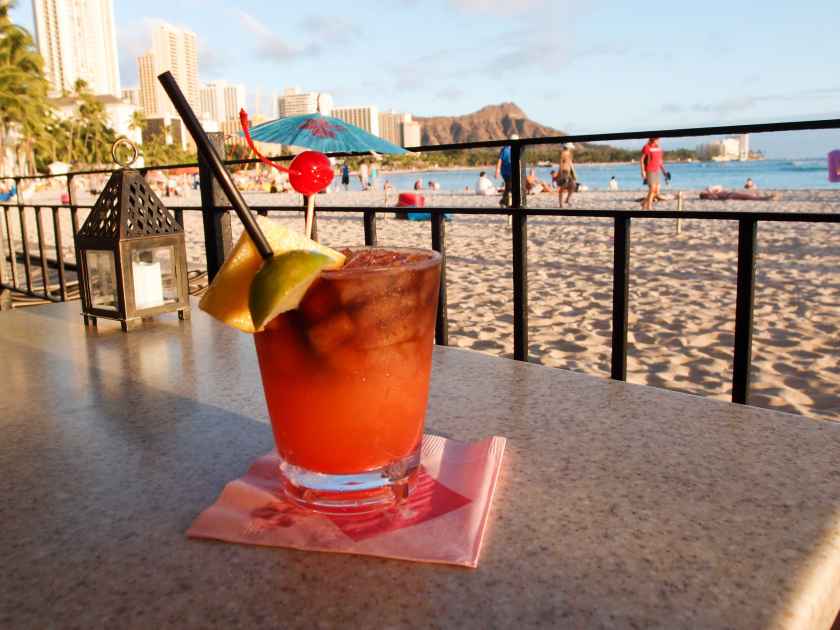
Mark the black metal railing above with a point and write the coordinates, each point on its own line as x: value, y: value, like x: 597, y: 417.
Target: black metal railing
x: 216, y: 224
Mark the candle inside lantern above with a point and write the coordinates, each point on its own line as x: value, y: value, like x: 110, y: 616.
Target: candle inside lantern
x: 148, y: 284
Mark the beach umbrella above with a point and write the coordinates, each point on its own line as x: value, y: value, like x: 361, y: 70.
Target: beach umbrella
x: 321, y: 133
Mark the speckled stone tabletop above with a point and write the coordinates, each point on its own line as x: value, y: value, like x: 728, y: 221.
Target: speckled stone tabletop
x: 618, y: 505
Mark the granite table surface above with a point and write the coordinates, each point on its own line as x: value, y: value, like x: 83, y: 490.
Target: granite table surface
x: 618, y: 505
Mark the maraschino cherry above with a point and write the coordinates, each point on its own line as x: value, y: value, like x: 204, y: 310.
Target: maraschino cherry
x: 310, y: 172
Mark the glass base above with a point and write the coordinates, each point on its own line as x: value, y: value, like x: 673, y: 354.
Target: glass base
x: 369, y: 491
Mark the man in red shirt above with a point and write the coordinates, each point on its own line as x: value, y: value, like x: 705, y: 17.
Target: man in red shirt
x: 652, y: 163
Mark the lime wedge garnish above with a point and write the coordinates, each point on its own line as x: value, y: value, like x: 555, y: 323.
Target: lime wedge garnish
x: 226, y: 298
x: 281, y: 283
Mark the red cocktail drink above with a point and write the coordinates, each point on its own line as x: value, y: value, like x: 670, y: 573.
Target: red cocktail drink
x: 346, y: 379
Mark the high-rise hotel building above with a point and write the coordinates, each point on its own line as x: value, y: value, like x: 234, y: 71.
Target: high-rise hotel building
x: 77, y: 40
x: 220, y: 103
x: 399, y: 128
x: 173, y: 49
x: 297, y: 103
x: 221, y: 100
x: 366, y: 117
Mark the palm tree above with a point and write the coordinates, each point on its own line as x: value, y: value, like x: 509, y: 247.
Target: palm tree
x: 23, y: 90
x: 96, y: 136
x: 138, y: 121
x: 88, y: 137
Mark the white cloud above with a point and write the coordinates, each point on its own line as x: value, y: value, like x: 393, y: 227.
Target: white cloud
x: 135, y: 39
x: 450, y: 93
x: 211, y: 59
x: 505, y: 7
x: 271, y: 46
x: 744, y: 103
x: 333, y: 29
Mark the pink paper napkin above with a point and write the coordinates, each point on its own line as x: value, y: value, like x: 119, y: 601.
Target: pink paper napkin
x: 443, y: 521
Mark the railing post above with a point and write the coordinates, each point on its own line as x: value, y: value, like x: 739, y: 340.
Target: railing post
x: 679, y: 209
x: 439, y: 245
x: 12, y: 251
x: 24, y: 237
x: 519, y: 234
x: 621, y: 282
x: 370, y: 228
x: 59, y: 253
x: 2, y: 258
x: 744, y: 302
x: 217, y: 234
x: 74, y: 225
x: 45, y: 272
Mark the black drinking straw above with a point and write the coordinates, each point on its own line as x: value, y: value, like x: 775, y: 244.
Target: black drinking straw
x: 208, y: 151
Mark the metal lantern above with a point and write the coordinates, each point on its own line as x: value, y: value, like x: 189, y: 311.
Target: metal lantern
x: 132, y: 253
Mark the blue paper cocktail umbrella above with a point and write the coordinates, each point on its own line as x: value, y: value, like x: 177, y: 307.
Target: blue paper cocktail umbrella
x: 322, y: 133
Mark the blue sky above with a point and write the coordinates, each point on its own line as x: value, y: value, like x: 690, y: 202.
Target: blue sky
x: 576, y: 66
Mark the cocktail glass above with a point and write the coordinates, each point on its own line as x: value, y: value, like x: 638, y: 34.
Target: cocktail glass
x: 346, y: 380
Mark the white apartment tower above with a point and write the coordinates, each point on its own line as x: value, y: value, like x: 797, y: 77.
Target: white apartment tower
x: 744, y: 146
x: 275, y: 105
x: 221, y: 100
x: 173, y: 49
x: 399, y: 128
x: 410, y: 132
x: 296, y: 103
x: 389, y: 127
x: 131, y: 95
x: 366, y: 117
x: 77, y: 40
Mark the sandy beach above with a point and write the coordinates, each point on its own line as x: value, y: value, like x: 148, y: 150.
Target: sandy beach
x: 682, y: 288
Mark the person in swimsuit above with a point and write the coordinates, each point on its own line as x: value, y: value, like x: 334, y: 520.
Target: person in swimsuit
x: 652, y: 163
x: 566, y: 176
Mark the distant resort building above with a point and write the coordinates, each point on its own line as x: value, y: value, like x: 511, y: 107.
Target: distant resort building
x: 175, y: 50
x: 364, y: 117
x: 396, y: 127
x: 727, y: 149
x: 399, y: 129
x: 132, y: 95
x: 293, y: 102
x: 220, y: 103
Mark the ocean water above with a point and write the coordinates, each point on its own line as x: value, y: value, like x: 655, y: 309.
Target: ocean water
x: 767, y: 174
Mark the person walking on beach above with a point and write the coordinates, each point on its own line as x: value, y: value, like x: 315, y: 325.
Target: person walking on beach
x: 652, y: 163
x: 503, y: 169
x: 566, y: 176
x: 363, y: 175
x: 345, y: 176
x: 613, y: 185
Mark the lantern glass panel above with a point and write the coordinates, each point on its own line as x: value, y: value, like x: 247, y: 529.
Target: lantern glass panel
x: 102, y: 279
x: 153, y: 270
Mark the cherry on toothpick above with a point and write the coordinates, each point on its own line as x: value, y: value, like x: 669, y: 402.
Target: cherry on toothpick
x: 310, y: 172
